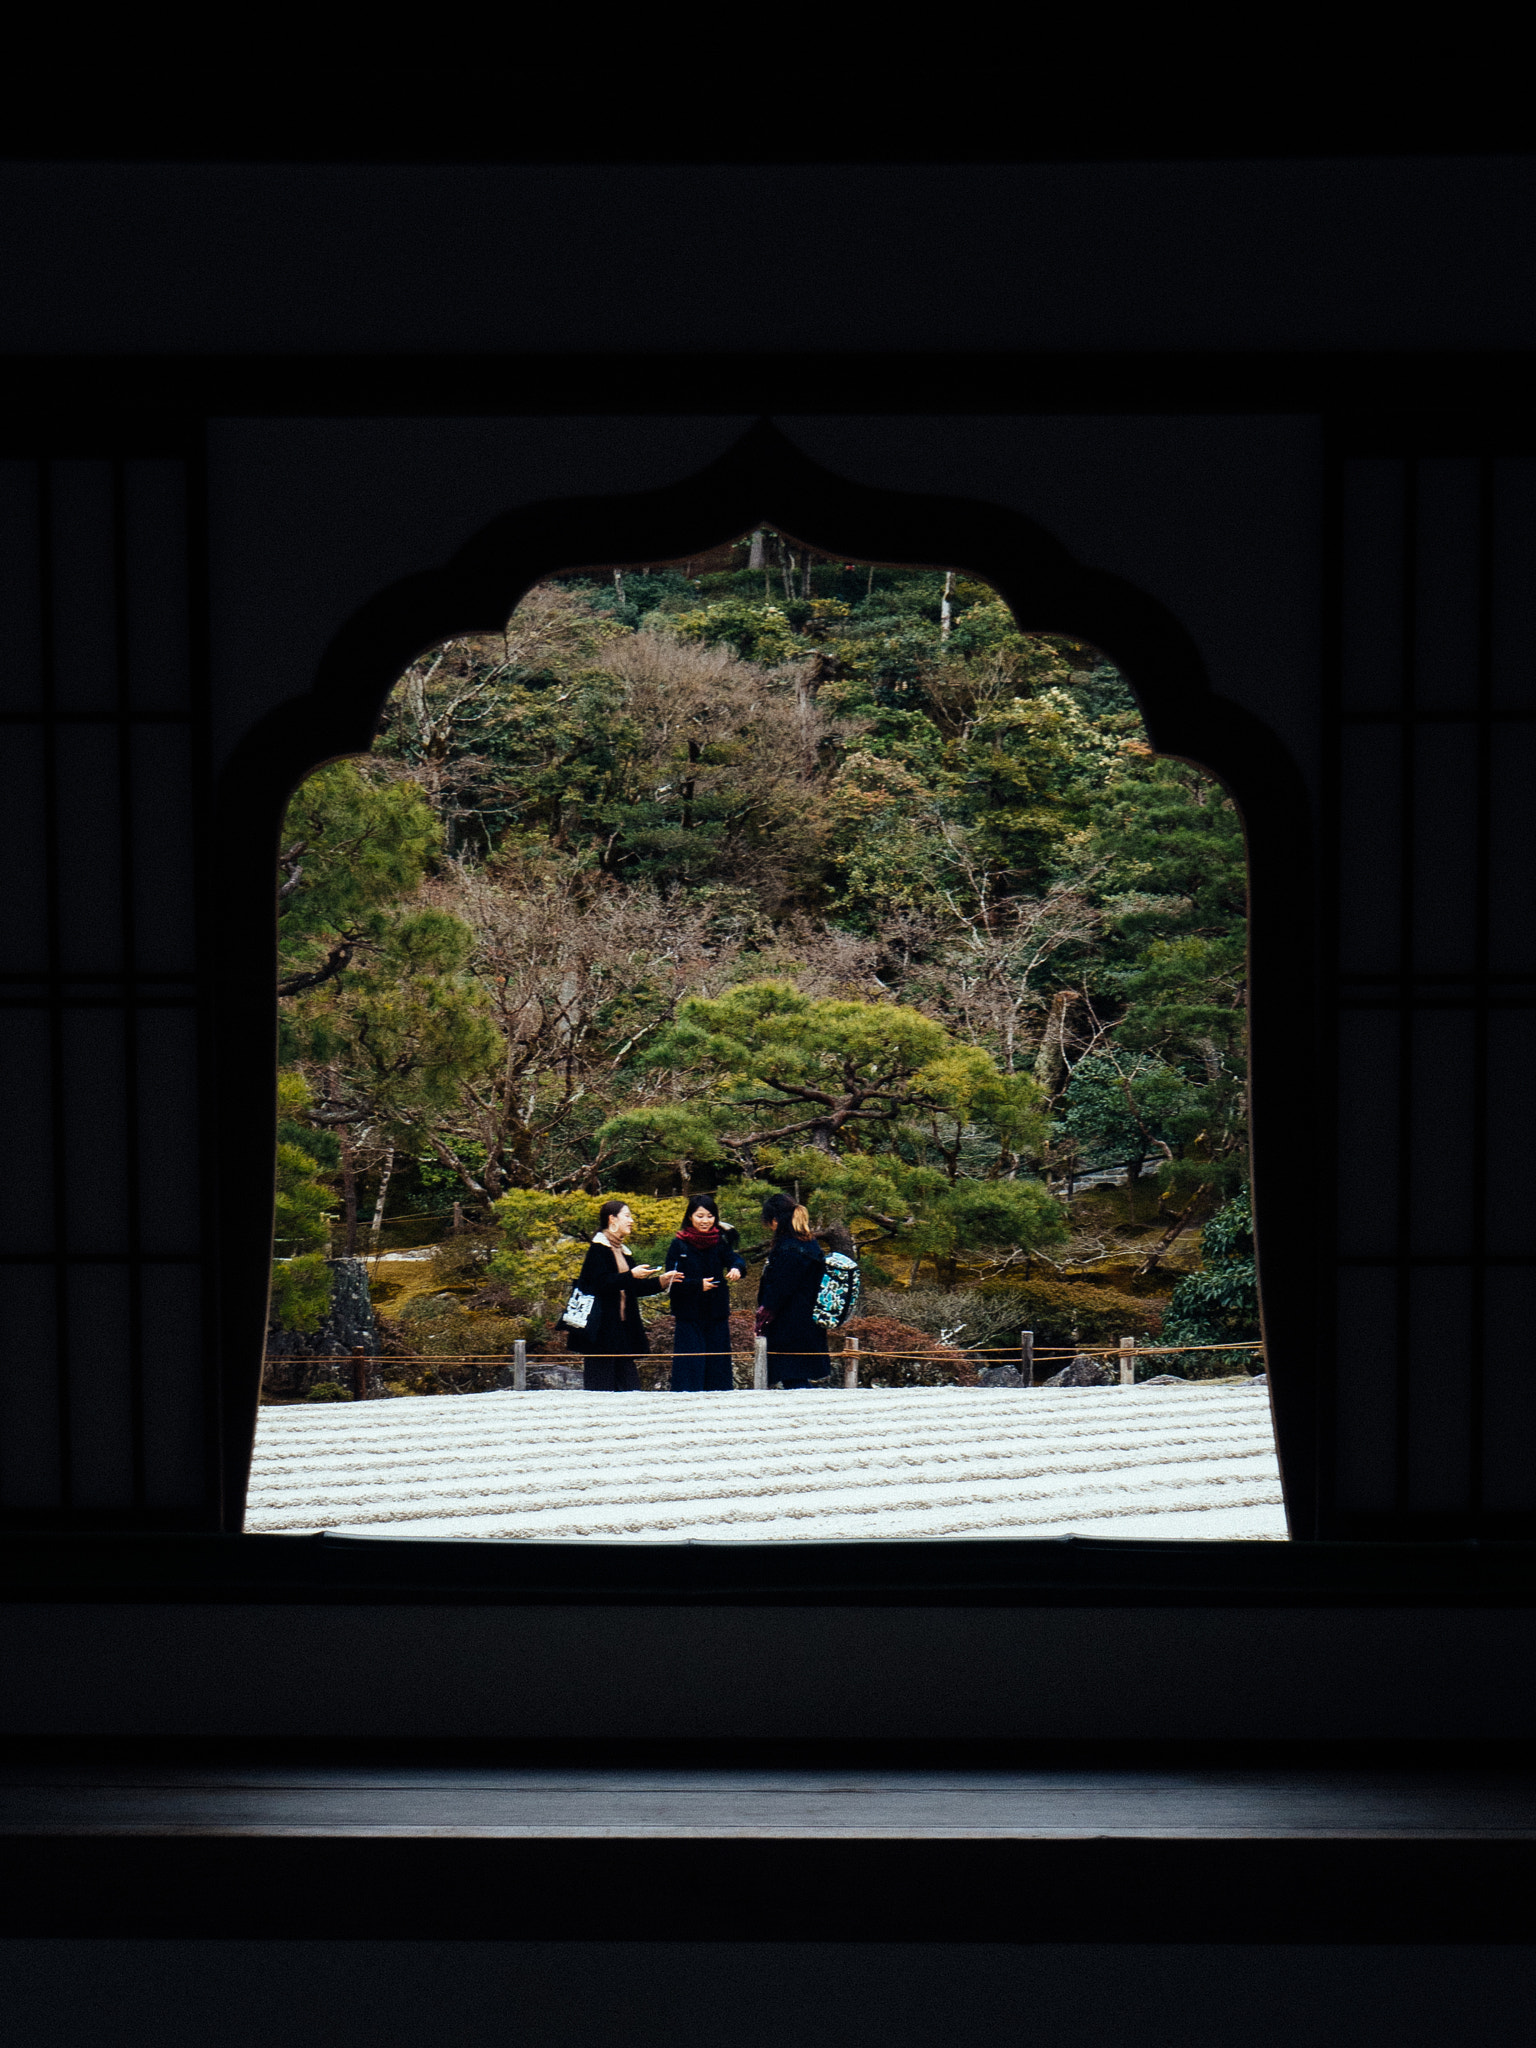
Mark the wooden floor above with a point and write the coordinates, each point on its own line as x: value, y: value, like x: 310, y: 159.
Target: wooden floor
x: 825, y: 1805
x: 257, y: 1848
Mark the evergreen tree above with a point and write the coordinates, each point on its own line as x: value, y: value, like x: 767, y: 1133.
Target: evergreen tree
x: 1220, y: 1303
x: 301, y: 1279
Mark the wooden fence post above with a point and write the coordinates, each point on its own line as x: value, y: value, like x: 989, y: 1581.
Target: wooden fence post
x: 760, y: 1366
x: 1127, y: 1361
x: 850, y: 1364
x: 520, y: 1365
x: 1027, y: 1356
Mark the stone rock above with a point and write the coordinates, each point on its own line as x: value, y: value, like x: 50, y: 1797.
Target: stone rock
x: 554, y: 1378
x: 1259, y: 1379
x: 349, y: 1320
x: 1001, y: 1376
x: 1167, y: 1379
x: 1083, y: 1371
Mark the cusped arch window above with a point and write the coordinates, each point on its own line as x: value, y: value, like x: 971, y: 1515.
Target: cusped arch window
x: 765, y: 871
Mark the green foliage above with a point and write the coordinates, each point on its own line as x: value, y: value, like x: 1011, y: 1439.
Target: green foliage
x: 305, y: 1204
x: 545, y: 1236
x: 1221, y: 1302
x: 351, y: 847
x: 300, y: 1296
x: 391, y: 1044
x: 300, y: 1292
x: 761, y: 878
x: 868, y: 1108
x: 762, y: 633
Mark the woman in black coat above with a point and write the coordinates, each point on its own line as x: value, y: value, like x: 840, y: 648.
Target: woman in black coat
x: 614, y: 1334
x: 790, y: 1282
x: 704, y: 1252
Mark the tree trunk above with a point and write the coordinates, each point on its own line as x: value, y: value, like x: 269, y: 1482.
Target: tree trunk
x: 348, y: 1192
x: 805, y: 576
x: 787, y: 570
x: 946, y: 614
x: 757, y: 557
x: 869, y: 587
x: 618, y: 583
x: 694, y: 751
x: 1051, y: 1059
x: 378, y: 1207
x: 1170, y: 1236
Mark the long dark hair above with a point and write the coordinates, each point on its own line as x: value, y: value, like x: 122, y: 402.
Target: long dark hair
x: 700, y: 1202
x: 607, y: 1211
x: 783, y: 1209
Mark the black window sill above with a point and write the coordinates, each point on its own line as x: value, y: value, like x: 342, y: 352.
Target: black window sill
x: 60, y: 1565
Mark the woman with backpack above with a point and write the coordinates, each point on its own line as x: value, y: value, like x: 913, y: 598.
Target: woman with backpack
x: 607, y: 1298
x: 786, y: 1298
x: 704, y: 1253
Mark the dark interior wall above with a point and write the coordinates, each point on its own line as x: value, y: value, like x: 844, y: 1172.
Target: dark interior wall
x: 877, y: 1995
x: 311, y: 519
x: 1090, y: 258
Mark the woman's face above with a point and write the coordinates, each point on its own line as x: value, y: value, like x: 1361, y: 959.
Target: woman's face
x: 702, y: 1219
x: 622, y: 1223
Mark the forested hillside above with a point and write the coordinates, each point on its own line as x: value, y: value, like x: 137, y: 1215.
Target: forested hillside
x: 789, y: 873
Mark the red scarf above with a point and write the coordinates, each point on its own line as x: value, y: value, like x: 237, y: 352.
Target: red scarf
x: 701, y: 1240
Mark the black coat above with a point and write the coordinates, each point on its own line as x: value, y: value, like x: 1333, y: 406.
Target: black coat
x: 686, y: 1297
x: 789, y: 1286
x: 614, y: 1328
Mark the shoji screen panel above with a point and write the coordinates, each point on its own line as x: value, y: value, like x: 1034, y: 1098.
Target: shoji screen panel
x: 105, y: 1379
x: 1434, y: 772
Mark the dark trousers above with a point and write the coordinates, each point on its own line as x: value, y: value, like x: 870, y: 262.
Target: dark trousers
x: 701, y: 1358
x: 795, y: 1369
x: 610, y: 1376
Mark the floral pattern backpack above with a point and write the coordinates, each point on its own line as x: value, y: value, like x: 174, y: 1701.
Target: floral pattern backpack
x: 838, y: 1295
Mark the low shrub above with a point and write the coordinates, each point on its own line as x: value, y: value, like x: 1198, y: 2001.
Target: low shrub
x: 1074, y: 1311
x: 1222, y: 1300
x: 301, y: 1292
x: 448, y: 1375
x: 938, y: 1365
x: 471, y: 1336
x: 950, y: 1313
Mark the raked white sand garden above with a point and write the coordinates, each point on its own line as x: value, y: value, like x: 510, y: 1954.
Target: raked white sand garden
x: 1149, y: 1462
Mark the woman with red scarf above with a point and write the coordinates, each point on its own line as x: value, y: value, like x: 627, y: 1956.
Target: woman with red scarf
x: 704, y: 1252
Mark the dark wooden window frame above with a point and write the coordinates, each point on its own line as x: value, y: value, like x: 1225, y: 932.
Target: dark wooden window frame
x: 1372, y: 406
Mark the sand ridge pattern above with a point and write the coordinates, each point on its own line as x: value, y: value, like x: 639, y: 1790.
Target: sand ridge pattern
x: 1147, y: 1462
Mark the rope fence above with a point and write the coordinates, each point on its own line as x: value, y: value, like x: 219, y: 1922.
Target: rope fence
x: 364, y: 1366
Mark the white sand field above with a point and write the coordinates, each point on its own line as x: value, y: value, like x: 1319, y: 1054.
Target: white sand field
x: 1146, y: 1462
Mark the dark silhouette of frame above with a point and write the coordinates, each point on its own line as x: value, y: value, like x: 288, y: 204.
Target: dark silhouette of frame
x: 765, y: 479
